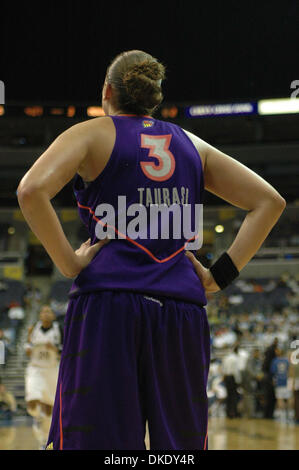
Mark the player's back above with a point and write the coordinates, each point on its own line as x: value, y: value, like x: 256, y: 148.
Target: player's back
x: 149, y: 197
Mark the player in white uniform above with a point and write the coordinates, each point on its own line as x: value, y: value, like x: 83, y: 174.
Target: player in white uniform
x: 43, y: 347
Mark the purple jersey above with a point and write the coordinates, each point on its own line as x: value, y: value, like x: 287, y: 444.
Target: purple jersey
x: 153, y: 163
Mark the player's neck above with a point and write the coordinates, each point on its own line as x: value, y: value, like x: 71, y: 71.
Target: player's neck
x: 116, y: 112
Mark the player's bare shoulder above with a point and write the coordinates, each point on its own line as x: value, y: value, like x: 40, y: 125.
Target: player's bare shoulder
x: 94, y: 127
x: 101, y: 130
x: 200, y: 145
x: 99, y: 134
x: 96, y: 124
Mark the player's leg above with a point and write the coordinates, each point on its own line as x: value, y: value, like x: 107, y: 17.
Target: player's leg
x: 47, y: 409
x: 286, y: 409
x: 44, y: 423
x: 33, y: 407
x: 97, y: 404
x: 37, y: 391
x: 33, y: 391
x: 287, y: 401
x: 279, y: 403
x: 49, y: 380
x: 176, y: 359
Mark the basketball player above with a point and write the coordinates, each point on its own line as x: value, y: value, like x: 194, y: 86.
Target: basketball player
x: 43, y: 347
x: 136, y: 339
x: 280, y: 366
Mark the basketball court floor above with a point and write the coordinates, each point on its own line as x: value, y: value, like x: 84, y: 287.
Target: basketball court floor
x: 224, y: 434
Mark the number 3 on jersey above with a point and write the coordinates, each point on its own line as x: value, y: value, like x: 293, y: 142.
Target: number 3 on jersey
x: 159, y: 149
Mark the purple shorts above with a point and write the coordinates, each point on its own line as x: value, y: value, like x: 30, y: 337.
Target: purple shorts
x: 127, y: 359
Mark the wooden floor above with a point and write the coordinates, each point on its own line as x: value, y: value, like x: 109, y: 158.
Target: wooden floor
x: 224, y: 434
x: 255, y: 434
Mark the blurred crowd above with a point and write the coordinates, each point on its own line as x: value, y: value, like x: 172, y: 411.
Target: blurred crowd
x: 255, y: 351
x: 14, y: 298
x: 256, y: 384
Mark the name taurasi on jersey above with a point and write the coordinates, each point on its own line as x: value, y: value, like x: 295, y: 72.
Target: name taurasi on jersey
x: 168, y: 196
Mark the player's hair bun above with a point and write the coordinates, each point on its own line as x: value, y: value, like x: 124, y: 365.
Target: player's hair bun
x: 142, y: 83
x: 137, y: 76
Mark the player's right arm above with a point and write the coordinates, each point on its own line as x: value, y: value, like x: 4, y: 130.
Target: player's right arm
x: 241, y: 187
x: 54, y: 169
x: 28, y: 345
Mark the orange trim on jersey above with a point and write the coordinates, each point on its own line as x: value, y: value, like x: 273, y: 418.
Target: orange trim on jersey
x: 134, y: 242
x: 60, y: 420
x: 205, y: 444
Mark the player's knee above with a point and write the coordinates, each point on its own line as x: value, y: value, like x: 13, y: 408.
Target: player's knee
x: 33, y: 407
x: 32, y: 404
x: 47, y: 409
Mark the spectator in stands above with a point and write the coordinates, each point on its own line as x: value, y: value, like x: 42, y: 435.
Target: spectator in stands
x: 5, y: 340
x: 250, y: 378
x: 283, y: 280
x: 216, y: 389
x: 270, y: 335
x: 16, y: 311
x: 243, y: 355
x: 32, y: 294
x: 232, y: 378
x: 28, y: 293
x: 16, y: 316
x: 3, y: 285
x: 224, y: 337
x: 7, y: 403
x: 236, y: 329
x: 280, y: 373
x: 269, y: 394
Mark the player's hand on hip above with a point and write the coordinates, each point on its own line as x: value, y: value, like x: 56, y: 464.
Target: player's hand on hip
x: 204, y: 274
x: 87, y: 252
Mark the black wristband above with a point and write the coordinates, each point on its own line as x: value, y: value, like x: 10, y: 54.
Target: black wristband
x: 224, y: 271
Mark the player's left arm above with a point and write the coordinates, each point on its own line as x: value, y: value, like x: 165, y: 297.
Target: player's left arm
x: 49, y: 174
x: 236, y: 184
x: 28, y: 345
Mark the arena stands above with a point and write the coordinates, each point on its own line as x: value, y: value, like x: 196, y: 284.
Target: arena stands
x: 11, y: 309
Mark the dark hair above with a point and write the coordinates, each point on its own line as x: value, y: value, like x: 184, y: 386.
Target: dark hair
x: 137, y: 78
